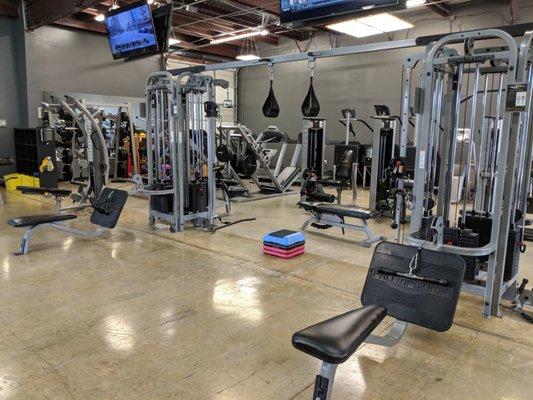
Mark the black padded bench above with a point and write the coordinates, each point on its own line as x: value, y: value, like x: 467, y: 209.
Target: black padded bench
x: 105, y: 215
x: 411, y: 285
x: 59, y: 194
x: 326, y: 215
x: 33, y: 220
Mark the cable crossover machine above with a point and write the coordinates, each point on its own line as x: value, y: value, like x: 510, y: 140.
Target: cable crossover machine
x: 473, y: 129
x: 181, y: 125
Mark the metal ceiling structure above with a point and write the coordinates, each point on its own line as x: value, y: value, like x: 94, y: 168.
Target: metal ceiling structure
x: 195, y: 22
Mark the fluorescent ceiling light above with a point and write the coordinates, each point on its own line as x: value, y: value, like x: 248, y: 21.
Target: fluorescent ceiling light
x: 371, y: 25
x: 99, y: 17
x: 239, y: 36
x: 415, y: 3
x: 354, y: 28
x: 247, y: 57
x: 173, y: 41
x: 385, y: 22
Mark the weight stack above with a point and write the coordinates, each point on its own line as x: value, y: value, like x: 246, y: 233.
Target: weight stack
x: 425, y: 230
x: 481, y: 225
x: 162, y: 203
x: 198, y: 197
x: 513, y: 254
x: 463, y: 238
x: 470, y: 239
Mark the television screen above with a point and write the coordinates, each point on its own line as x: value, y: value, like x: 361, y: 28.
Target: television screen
x: 131, y: 31
x: 306, y: 10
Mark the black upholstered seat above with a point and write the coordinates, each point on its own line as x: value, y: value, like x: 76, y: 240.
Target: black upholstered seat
x: 33, y: 220
x: 335, y: 183
x: 40, y: 190
x: 346, y: 211
x: 335, y: 340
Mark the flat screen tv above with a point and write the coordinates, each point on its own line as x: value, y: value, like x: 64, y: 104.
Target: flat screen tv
x: 131, y: 31
x: 301, y: 11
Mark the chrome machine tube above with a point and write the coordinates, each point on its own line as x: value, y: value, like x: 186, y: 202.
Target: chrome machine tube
x: 473, y: 114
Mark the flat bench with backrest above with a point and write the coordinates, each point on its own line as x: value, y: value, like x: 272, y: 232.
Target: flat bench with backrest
x: 326, y: 215
x: 411, y: 285
x: 58, y: 194
x: 106, y: 212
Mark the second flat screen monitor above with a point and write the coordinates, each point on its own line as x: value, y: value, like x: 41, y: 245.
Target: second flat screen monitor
x: 306, y: 10
x: 131, y: 31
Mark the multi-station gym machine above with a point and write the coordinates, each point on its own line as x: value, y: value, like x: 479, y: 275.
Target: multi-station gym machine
x: 473, y: 112
x: 181, y: 149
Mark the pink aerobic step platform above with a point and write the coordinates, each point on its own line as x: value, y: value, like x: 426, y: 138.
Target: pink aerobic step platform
x: 275, y: 251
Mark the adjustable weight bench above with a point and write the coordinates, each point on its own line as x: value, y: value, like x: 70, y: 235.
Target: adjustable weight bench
x: 412, y: 285
x: 59, y: 194
x: 106, y: 212
x: 326, y: 215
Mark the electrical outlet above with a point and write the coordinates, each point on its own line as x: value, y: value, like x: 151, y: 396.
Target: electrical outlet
x: 3, y: 123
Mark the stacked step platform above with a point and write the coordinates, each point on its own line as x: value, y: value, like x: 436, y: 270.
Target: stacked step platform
x: 284, y: 243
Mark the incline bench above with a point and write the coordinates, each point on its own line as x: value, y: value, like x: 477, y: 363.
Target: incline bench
x: 106, y: 212
x: 326, y: 215
x: 412, y: 285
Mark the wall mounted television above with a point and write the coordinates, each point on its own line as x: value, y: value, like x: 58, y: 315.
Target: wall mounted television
x: 131, y: 31
x: 298, y: 12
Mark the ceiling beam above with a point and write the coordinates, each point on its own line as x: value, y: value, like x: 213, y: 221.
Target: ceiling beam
x: 8, y: 9
x: 224, y: 50
x: 266, y: 5
x: 91, y: 26
x: 212, y: 21
x: 440, y: 7
x: 43, y: 12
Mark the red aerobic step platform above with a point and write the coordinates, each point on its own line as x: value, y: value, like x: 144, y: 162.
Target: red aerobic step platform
x: 275, y: 251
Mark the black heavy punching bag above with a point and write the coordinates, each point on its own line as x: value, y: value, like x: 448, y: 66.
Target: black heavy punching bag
x: 271, y: 106
x: 311, y: 106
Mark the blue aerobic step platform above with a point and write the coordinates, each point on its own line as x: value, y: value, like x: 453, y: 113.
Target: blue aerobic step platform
x: 284, y: 238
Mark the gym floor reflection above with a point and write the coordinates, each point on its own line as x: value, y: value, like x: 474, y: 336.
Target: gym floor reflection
x: 142, y: 314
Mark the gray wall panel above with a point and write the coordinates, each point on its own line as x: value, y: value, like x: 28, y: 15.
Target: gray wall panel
x: 12, y: 78
x: 66, y: 60
x: 358, y: 81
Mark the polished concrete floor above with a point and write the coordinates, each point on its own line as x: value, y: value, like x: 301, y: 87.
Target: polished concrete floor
x: 143, y: 314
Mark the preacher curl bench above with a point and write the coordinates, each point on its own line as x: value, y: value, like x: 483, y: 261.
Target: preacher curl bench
x: 412, y: 285
x: 106, y: 212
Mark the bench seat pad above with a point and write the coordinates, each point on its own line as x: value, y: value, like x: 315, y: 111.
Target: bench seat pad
x: 42, y: 190
x: 33, y: 220
x: 335, y: 340
x: 346, y: 211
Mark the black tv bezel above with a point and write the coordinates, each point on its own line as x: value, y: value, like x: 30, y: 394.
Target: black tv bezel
x: 136, y: 52
x: 334, y: 11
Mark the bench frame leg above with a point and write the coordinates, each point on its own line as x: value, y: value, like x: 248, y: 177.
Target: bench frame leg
x: 324, y: 381
x: 334, y: 220
x: 25, y: 244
